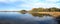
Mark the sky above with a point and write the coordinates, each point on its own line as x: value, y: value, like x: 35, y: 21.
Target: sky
x: 27, y: 4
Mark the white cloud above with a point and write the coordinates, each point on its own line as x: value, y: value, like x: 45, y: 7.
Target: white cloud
x: 41, y: 4
x: 38, y: 4
x: 34, y: 3
x: 51, y: 0
x: 25, y: 5
x: 2, y: 0
x: 5, y: 1
x: 44, y: 5
x: 9, y: 1
x: 12, y: 0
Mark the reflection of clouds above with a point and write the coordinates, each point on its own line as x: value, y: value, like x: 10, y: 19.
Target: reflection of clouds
x: 29, y: 19
x: 47, y: 20
x: 38, y: 20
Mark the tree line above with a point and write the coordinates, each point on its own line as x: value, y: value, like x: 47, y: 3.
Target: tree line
x: 40, y: 9
x: 52, y: 9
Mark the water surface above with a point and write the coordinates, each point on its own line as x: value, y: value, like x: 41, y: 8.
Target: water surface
x: 28, y: 18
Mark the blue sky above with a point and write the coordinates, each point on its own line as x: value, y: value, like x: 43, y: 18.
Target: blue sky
x: 27, y: 4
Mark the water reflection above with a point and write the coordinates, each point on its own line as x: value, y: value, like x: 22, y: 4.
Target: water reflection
x: 23, y: 11
x: 39, y: 15
x: 42, y: 19
x: 28, y: 18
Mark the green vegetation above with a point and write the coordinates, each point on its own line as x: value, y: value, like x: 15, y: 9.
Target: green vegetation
x: 23, y: 11
x: 52, y: 9
x: 35, y: 10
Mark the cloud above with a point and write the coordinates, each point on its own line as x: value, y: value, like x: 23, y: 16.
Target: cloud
x: 51, y: 0
x: 46, y: 3
x: 32, y: 3
x: 28, y: 4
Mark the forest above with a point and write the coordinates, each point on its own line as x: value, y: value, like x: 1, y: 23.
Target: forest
x: 40, y: 9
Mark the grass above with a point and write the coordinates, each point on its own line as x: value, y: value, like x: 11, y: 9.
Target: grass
x: 55, y: 14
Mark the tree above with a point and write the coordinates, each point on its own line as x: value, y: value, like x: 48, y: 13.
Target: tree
x: 34, y: 10
x: 40, y: 9
x: 53, y: 9
x: 23, y: 11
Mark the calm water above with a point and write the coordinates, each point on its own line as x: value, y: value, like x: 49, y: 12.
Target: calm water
x: 27, y: 18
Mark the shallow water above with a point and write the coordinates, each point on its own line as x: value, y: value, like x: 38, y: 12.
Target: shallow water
x: 28, y: 18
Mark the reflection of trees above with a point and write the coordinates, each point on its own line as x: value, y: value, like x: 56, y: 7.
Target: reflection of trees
x: 40, y: 15
x: 36, y: 14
